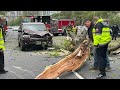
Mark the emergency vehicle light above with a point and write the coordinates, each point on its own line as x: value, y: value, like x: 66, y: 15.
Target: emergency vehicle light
x: 32, y: 17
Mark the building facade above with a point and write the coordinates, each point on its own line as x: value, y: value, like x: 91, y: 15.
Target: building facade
x: 12, y: 15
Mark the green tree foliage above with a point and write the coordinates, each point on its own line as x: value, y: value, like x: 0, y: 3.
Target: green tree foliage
x: 15, y: 22
x: 3, y: 12
x: 82, y: 15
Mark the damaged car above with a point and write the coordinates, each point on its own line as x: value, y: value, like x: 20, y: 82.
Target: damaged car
x: 34, y: 34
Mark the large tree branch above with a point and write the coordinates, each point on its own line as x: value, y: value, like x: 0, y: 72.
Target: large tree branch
x: 71, y: 62
x: 113, y: 48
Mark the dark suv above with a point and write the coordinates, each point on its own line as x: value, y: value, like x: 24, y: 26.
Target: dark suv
x: 34, y: 34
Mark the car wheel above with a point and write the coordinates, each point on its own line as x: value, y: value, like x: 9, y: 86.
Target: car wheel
x: 45, y: 47
x: 55, y: 34
x: 51, y: 43
x: 64, y: 33
x: 22, y: 47
x: 19, y: 44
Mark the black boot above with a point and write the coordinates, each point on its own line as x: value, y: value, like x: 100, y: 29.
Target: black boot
x: 3, y: 71
x: 101, y: 74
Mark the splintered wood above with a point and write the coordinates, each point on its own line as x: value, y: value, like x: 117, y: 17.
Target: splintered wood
x: 70, y: 63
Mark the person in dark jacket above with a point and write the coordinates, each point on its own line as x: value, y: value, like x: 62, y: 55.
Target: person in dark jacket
x: 115, y: 30
x: 90, y: 25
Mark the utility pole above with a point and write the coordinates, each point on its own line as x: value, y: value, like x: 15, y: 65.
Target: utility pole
x: 37, y: 13
x: 59, y: 15
x: 73, y: 14
x: 94, y: 13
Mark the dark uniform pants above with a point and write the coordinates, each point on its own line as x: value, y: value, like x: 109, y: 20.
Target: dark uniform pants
x: 96, y: 58
x: 1, y: 60
x: 114, y: 36
x: 101, y: 54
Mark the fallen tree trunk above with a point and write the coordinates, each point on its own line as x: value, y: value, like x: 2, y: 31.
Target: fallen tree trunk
x: 113, y: 48
x: 77, y: 39
x: 69, y: 63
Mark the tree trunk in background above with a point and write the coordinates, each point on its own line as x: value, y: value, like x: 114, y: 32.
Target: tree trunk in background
x: 77, y: 39
x: 113, y: 48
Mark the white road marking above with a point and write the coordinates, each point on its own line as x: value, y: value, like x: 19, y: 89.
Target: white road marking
x: 20, y: 68
x: 16, y: 67
x: 8, y: 36
x: 80, y: 77
x: 17, y: 74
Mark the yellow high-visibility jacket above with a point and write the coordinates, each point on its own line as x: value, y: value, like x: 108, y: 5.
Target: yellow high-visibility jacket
x: 1, y: 40
x: 74, y: 29
x: 101, y: 38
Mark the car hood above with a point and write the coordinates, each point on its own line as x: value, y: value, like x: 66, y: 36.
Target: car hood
x: 41, y: 33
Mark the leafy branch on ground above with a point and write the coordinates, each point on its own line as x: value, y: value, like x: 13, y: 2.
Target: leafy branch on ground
x: 54, y: 53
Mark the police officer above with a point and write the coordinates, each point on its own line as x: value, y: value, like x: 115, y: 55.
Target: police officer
x: 2, y: 27
x: 101, y: 39
x: 74, y: 29
x: 68, y: 30
x: 90, y: 25
x: 3, y: 31
x: 2, y: 48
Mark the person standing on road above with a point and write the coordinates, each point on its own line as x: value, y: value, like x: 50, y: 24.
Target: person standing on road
x: 74, y: 29
x: 90, y: 25
x: 101, y: 39
x: 2, y: 48
x: 2, y: 27
x: 68, y: 30
x: 115, y: 30
x: 3, y: 32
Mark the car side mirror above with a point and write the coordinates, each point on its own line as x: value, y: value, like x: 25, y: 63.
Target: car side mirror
x: 19, y: 30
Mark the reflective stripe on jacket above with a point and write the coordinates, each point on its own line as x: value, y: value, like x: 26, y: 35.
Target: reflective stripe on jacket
x: 103, y: 38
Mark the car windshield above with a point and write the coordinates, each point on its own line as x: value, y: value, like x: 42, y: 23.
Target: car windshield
x: 38, y: 27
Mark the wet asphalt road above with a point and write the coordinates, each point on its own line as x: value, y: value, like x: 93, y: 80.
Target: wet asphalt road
x: 28, y: 64
x: 23, y: 64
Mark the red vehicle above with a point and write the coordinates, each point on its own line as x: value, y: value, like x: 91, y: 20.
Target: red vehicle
x: 58, y: 26
x: 54, y: 26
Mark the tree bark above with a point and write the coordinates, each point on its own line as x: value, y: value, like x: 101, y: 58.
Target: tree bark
x: 77, y: 39
x: 113, y: 48
x: 71, y: 62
